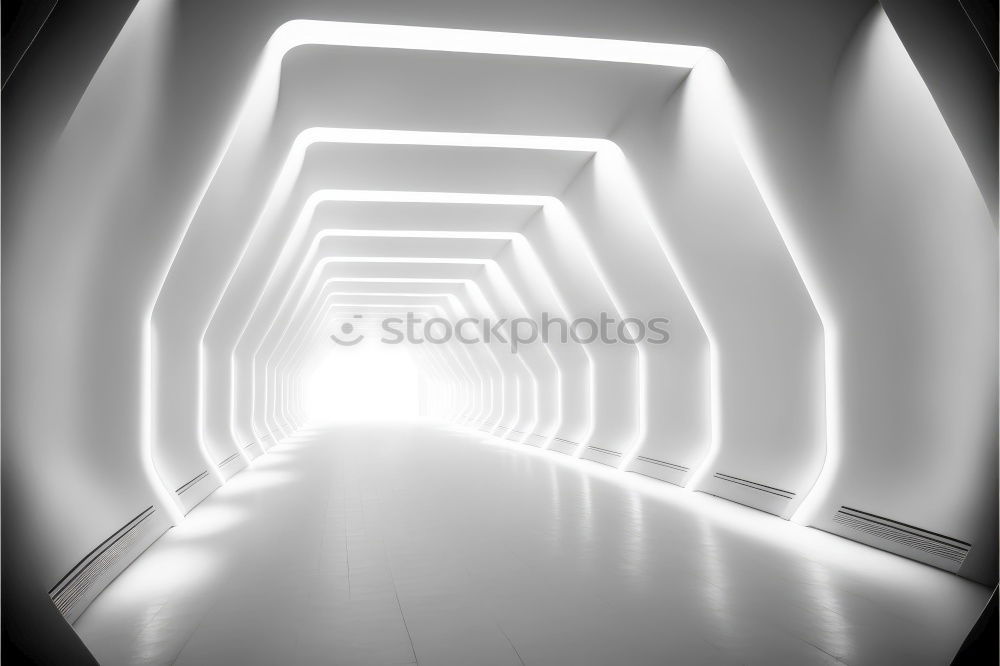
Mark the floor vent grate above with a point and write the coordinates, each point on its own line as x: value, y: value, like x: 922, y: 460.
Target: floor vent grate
x: 606, y: 452
x: 229, y: 459
x: 778, y: 492
x: 907, y: 535
x: 663, y: 463
x: 81, y: 577
x: 190, y: 484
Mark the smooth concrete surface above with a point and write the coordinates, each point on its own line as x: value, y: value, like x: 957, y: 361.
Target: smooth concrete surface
x: 419, y: 543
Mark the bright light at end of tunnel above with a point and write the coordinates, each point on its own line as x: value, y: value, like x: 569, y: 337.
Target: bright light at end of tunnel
x: 368, y: 381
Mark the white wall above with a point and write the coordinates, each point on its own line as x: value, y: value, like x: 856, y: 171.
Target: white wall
x: 911, y: 271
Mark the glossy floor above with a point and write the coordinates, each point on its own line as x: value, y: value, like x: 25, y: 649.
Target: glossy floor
x: 396, y: 544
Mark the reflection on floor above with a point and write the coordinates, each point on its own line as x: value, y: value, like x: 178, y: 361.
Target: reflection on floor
x: 380, y: 544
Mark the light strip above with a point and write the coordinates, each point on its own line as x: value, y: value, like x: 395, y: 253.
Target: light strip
x: 453, y: 40
x: 551, y: 204
x: 293, y: 163
x: 262, y: 90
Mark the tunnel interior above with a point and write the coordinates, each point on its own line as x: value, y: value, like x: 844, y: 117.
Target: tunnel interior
x: 517, y: 310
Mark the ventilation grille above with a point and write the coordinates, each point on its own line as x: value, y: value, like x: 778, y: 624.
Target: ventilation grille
x: 663, y: 463
x: 606, y: 452
x: 81, y: 577
x: 512, y: 429
x: 229, y: 459
x: 907, y: 535
x: 190, y: 484
x: 539, y: 436
x: 753, y: 485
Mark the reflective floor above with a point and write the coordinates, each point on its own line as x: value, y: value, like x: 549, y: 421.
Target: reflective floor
x: 398, y: 544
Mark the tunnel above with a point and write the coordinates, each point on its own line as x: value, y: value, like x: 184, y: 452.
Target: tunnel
x: 527, y: 332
